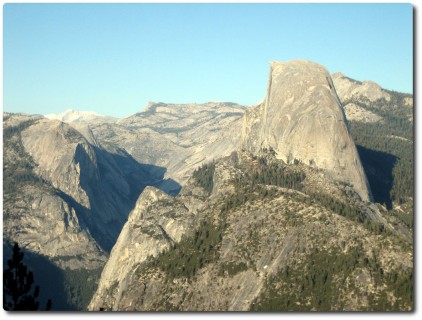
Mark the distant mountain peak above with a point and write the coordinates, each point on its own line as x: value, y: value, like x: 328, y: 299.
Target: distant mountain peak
x: 348, y: 88
x: 74, y: 116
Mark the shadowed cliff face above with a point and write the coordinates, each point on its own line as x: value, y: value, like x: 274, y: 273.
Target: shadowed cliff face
x: 156, y: 223
x: 379, y: 170
x: 103, y: 181
x: 302, y: 119
x: 179, y: 137
x: 66, y: 200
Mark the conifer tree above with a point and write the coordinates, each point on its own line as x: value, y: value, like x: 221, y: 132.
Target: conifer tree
x: 17, y: 285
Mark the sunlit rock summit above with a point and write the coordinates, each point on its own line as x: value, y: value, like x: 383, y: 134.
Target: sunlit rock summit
x: 302, y: 119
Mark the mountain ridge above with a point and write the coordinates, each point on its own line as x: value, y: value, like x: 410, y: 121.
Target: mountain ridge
x: 165, y: 148
x: 245, y: 233
x: 240, y: 194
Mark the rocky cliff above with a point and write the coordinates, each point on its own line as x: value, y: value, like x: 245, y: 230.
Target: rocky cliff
x: 157, y: 222
x: 353, y: 94
x: 302, y: 119
x: 104, y: 182
x: 66, y: 199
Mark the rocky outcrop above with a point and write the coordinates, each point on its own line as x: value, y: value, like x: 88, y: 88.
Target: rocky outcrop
x: 43, y: 212
x: 104, y: 183
x: 66, y: 199
x: 178, y: 137
x: 72, y: 190
x: 347, y: 89
x: 61, y: 153
x: 302, y: 119
x: 356, y: 113
x: 44, y: 223
x: 408, y: 102
x: 157, y: 222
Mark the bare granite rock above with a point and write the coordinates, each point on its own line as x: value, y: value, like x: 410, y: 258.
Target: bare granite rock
x: 178, y: 137
x: 356, y: 113
x: 156, y: 223
x: 347, y: 88
x: 74, y: 193
x: 302, y: 119
x: 37, y: 214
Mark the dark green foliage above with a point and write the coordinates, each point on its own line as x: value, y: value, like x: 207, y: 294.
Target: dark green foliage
x: 49, y: 277
x: 18, y: 172
x: 339, y: 207
x: 317, y: 279
x: 245, y: 193
x: 17, y: 285
x: 185, y: 258
x: 277, y: 174
x: 247, y: 189
x: 311, y: 281
x: 251, y: 185
x: 316, y: 282
x: 403, y: 217
x: 350, y: 212
x: 400, y: 283
x: 269, y: 150
x: 165, y: 306
x: 390, y: 159
x: 205, y: 176
x: 232, y: 268
x: 80, y: 286
x: 390, y: 171
x: 11, y: 131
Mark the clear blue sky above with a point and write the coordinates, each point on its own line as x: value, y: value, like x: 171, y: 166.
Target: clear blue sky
x: 114, y: 58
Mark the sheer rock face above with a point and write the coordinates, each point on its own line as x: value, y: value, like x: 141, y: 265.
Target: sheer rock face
x: 46, y: 216
x: 302, y: 119
x: 83, y: 173
x: 84, y: 194
x: 156, y: 222
x: 51, y: 227
x: 60, y: 159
